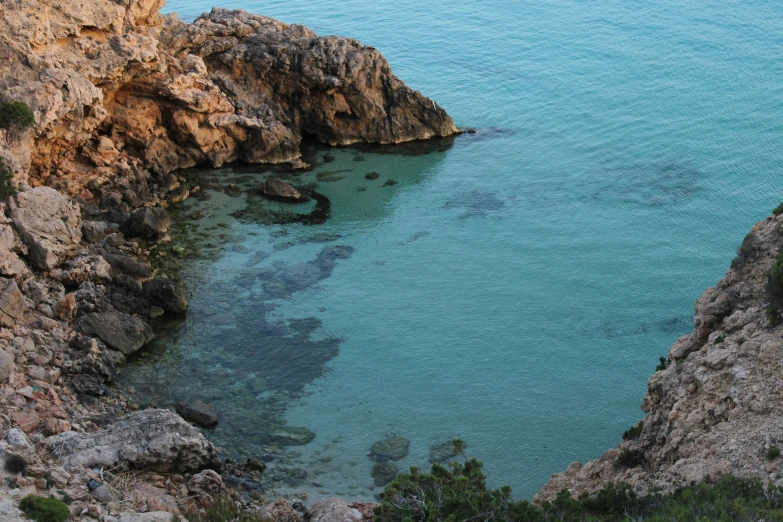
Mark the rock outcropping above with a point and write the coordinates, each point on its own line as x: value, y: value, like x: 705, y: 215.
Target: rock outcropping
x: 717, y: 408
x: 117, y: 89
x: 151, y: 439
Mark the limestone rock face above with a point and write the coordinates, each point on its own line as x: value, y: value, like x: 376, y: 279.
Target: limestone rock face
x: 280, y: 511
x: 49, y: 224
x: 157, y: 440
x: 122, y: 332
x: 12, y: 303
x: 717, y: 407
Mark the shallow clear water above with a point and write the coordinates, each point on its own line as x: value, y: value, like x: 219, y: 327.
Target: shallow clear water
x: 514, y: 289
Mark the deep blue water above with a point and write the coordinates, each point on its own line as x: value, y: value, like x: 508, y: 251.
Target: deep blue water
x: 516, y: 289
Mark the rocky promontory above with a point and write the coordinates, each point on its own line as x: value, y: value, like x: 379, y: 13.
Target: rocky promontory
x: 120, y: 98
x: 715, y: 405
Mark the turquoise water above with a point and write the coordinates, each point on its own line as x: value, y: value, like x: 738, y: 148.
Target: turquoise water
x: 514, y: 288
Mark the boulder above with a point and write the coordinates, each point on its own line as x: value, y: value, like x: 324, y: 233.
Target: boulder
x: 281, y: 191
x: 157, y: 440
x: 122, y: 332
x: 280, y: 511
x: 206, y: 486
x: 166, y: 294
x: 334, y: 510
x: 49, y: 224
x: 149, y: 223
x: 12, y: 303
x: 199, y: 412
x: 10, y: 264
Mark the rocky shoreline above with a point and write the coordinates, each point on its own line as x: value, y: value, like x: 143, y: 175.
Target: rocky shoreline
x: 123, y: 98
x: 714, y: 404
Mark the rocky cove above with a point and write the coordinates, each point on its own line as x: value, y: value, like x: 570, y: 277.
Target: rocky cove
x: 123, y: 97
x: 107, y: 219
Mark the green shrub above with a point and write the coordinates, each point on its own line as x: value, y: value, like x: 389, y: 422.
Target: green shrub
x: 7, y: 188
x: 743, y: 252
x: 222, y: 510
x: 772, y: 316
x: 15, y: 117
x: 775, y: 279
x: 719, y: 339
x: 778, y: 210
x: 11, y: 482
x: 15, y: 464
x: 628, y: 459
x: 663, y: 363
x: 44, y: 509
x: 741, y: 341
x: 773, y: 452
x: 633, y: 433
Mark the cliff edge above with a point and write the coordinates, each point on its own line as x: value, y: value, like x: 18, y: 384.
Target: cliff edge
x: 116, y: 87
x: 717, y: 406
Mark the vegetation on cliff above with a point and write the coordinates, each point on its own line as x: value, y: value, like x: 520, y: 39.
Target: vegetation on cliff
x: 459, y: 492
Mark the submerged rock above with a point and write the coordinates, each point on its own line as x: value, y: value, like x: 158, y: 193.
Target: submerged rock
x: 199, y: 412
x: 157, y: 440
x: 383, y: 473
x: 282, y: 191
x: 393, y: 447
x: 122, y: 332
x: 442, y: 452
x: 291, y: 436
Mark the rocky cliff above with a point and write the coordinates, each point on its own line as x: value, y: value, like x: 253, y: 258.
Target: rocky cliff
x: 717, y: 407
x: 119, y: 91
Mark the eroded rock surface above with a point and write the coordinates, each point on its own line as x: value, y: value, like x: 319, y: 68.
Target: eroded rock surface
x: 157, y: 440
x: 122, y: 332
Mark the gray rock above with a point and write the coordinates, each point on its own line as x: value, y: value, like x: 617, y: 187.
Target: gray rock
x: 393, y: 447
x: 152, y: 516
x: 125, y: 333
x: 12, y: 303
x: 104, y: 495
x: 158, y: 440
x: 49, y: 224
x: 10, y: 264
x: 17, y: 439
x: 94, y: 231
x: 147, y: 223
x: 334, y: 510
x: 166, y: 294
x: 199, y: 412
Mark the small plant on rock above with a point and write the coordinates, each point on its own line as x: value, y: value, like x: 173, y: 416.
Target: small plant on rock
x: 15, y: 464
x: 778, y: 210
x: 719, y: 339
x: 773, y: 452
x: 633, y: 433
x: 44, y: 509
x: 772, y: 316
x: 15, y: 117
x: 741, y: 341
x: 7, y: 188
x: 663, y: 363
x: 775, y: 279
